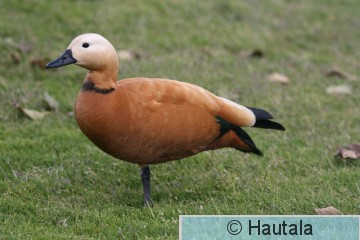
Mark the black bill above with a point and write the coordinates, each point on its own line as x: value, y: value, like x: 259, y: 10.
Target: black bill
x: 64, y: 60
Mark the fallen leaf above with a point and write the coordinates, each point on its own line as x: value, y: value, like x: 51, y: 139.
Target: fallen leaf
x: 33, y: 114
x: 344, y: 153
x: 16, y: 57
x: 255, y: 53
x: 351, y: 151
x: 128, y: 55
x: 339, y: 90
x: 18, y: 174
x: 328, y: 211
x: 138, y: 55
x: 39, y: 63
x: 52, y: 104
x: 278, y: 78
x: 336, y: 72
x: 63, y: 223
x: 70, y: 114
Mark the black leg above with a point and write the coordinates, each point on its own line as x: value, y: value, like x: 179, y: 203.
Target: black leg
x: 145, y: 178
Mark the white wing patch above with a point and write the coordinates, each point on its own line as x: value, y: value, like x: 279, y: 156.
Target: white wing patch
x: 242, y: 113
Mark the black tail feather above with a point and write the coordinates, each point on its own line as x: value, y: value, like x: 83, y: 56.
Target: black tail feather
x: 246, y: 138
x: 262, y: 120
x: 268, y: 125
x: 226, y: 126
x: 261, y: 114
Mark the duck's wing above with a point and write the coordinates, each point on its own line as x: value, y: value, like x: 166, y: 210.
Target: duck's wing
x: 152, y: 91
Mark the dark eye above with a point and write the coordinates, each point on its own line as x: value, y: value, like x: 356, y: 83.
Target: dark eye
x: 85, y: 45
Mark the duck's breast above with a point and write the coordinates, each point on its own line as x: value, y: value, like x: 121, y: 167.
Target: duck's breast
x: 100, y: 118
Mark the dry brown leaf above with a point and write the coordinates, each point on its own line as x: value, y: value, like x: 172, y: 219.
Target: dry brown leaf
x: 351, y: 151
x: 33, y: 114
x: 128, y: 55
x: 138, y: 55
x: 278, y: 78
x: 344, y: 153
x: 336, y: 72
x: 328, y: 211
x: 39, y: 63
x: 16, y: 57
x: 63, y: 223
x: 52, y: 104
x: 255, y: 53
x: 339, y: 90
x: 70, y: 114
x: 125, y: 55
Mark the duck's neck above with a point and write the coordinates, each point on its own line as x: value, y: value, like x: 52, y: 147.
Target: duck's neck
x: 100, y: 81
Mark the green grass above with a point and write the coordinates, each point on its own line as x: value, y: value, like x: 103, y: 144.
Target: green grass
x: 55, y: 184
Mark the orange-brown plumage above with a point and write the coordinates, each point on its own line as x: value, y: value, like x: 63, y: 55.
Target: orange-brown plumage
x: 147, y: 121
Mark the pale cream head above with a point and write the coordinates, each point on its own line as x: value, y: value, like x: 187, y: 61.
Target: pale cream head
x: 94, y: 52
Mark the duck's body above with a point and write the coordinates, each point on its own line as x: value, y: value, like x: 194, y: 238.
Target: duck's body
x: 147, y: 121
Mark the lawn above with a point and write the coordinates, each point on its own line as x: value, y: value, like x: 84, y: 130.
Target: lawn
x: 55, y: 184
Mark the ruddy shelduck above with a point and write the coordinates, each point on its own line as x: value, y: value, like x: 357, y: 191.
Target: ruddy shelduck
x: 152, y: 120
